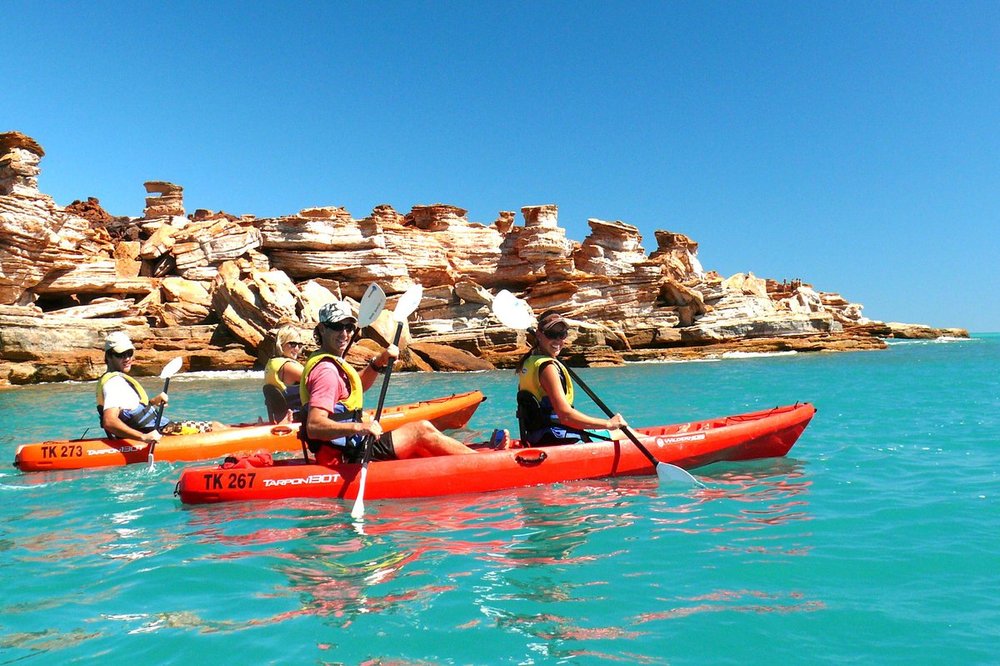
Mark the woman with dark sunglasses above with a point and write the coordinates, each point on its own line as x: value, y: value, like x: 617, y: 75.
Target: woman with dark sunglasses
x: 283, y: 371
x: 545, y: 411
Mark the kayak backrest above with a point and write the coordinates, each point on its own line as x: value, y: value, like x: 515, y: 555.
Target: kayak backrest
x: 274, y: 401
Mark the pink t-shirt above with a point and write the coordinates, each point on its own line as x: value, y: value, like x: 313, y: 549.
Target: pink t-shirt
x: 326, y: 386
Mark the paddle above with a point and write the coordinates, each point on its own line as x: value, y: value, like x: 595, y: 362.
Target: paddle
x: 371, y: 306
x: 169, y: 370
x: 405, y: 306
x: 516, y: 313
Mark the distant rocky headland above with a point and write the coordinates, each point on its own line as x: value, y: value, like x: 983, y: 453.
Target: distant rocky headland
x: 212, y: 287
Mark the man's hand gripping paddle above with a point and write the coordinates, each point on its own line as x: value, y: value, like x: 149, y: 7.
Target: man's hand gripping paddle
x: 405, y: 306
x: 169, y: 370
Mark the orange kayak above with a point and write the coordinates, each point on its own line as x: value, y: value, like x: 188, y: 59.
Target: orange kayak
x: 764, y: 434
x: 448, y: 412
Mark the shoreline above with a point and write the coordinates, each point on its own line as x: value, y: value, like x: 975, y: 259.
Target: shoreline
x: 213, y: 287
x: 714, y: 357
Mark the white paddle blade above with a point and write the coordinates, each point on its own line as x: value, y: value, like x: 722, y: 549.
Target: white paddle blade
x: 372, y: 304
x: 512, y: 311
x: 408, y: 303
x: 170, y: 369
x: 668, y: 473
x: 358, y: 510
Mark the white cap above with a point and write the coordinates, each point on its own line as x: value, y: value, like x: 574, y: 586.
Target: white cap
x: 118, y: 342
x: 336, y: 311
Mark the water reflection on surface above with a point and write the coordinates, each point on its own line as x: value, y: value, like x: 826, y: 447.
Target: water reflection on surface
x: 557, y: 547
x: 567, y: 571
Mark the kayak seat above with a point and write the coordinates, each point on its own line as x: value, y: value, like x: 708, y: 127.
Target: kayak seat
x: 529, y: 412
x: 274, y: 401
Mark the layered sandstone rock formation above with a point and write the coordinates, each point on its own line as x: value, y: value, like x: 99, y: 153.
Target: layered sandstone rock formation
x: 212, y: 287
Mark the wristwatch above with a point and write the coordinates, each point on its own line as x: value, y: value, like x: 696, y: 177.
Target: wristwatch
x: 377, y: 368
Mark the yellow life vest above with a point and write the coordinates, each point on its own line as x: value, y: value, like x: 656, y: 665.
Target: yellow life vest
x: 143, y: 418
x: 107, y: 376
x: 272, y: 372
x: 529, y: 380
x: 354, y: 399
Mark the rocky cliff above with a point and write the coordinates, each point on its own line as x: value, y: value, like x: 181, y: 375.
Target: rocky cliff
x: 213, y: 286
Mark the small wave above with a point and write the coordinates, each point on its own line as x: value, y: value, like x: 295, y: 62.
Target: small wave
x: 15, y: 488
x: 221, y: 374
x: 195, y: 375
x: 944, y: 339
x: 739, y: 354
x: 659, y: 361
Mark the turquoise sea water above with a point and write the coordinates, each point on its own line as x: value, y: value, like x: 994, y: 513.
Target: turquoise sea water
x: 875, y: 541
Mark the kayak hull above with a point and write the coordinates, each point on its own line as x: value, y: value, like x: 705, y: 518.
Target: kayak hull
x: 445, y: 413
x: 766, y: 434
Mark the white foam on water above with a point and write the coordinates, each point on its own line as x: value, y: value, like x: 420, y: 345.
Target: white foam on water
x: 220, y: 374
x: 944, y: 339
x: 661, y: 361
x: 739, y: 354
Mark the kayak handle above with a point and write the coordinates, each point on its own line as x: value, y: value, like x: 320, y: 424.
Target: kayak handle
x: 281, y: 431
x: 532, y: 458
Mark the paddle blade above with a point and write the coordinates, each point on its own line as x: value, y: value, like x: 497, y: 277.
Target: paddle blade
x: 358, y: 511
x: 668, y: 473
x: 170, y: 369
x: 512, y: 311
x: 408, y: 303
x: 372, y: 304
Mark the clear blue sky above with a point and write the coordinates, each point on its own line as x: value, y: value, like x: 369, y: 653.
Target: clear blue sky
x: 855, y: 145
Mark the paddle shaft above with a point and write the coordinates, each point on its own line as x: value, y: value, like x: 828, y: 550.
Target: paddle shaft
x: 388, y: 371
x: 600, y: 403
x: 359, y: 503
x: 381, y: 396
x: 159, y: 415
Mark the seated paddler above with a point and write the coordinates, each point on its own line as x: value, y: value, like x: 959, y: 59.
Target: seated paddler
x: 332, y: 393
x: 283, y: 372
x: 545, y: 411
x: 122, y: 404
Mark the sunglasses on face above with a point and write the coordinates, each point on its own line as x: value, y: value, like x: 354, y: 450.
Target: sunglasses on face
x: 340, y: 326
x: 295, y: 344
x: 556, y: 335
x: 124, y: 354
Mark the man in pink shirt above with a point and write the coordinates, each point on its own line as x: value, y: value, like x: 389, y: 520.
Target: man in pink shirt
x: 332, y: 391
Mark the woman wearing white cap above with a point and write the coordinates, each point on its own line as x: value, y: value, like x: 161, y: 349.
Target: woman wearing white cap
x: 332, y: 395
x: 545, y: 411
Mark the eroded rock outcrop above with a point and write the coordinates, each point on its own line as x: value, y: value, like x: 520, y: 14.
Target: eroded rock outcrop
x: 212, y: 286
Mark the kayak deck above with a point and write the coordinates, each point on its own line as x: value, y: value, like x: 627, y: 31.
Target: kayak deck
x: 764, y: 434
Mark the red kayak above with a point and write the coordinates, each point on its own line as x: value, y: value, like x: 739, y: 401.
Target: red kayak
x: 764, y: 434
x: 452, y: 411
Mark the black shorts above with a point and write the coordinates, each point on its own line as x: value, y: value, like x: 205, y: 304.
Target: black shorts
x: 382, y: 449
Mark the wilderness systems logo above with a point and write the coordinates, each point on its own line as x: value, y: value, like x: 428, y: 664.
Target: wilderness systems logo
x: 666, y: 441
